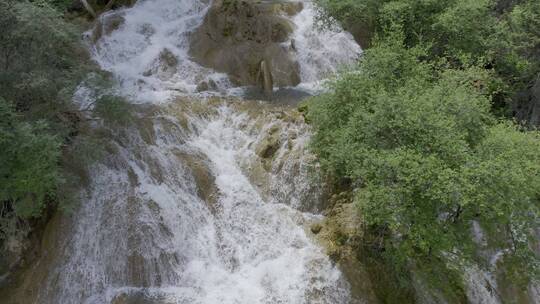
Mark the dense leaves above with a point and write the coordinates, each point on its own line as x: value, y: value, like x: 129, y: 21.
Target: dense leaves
x: 426, y: 157
x: 498, y: 34
x: 41, y: 63
x: 29, y: 159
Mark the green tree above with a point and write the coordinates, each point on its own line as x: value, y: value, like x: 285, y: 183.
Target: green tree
x: 496, y: 34
x: 425, y: 156
x: 29, y: 163
x: 41, y: 64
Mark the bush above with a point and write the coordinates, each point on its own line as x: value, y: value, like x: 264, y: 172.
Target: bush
x: 500, y: 35
x: 41, y: 64
x: 425, y: 156
x: 43, y: 61
x: 29, y: 163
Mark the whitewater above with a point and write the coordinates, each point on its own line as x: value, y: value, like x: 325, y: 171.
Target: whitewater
x: 185, y: 209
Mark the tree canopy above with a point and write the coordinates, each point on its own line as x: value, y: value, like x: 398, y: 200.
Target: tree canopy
x: 413, y: 132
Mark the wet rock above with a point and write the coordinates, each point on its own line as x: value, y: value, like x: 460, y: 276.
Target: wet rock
x: 316, y: 228
x: 340, y: 234
x: 204, y: 179
x: 361, y: 32
x: 106, y: 25
x: 45, y: 245
x: 136, y: 269
x: 291, y: 8
x: 238, y: 35
x: 269, y: 145
x: 165, y: 66
x: 265, y: 77
x: 207, y: 85
x: 11, y: 251
x: 137, y: 297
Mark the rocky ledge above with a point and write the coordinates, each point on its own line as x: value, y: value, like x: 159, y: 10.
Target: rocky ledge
x: 250, y: 41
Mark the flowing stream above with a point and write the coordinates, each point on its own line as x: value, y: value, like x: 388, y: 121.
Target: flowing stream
x: 188, y: 207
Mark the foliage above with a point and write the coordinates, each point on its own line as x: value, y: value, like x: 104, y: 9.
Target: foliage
x: 29, y: 158
x: 461, y: 31
x: 41, y: 63
x: 349, y: 11
x: 113, y: 109
x: 42, y: 59
x: 60, y: 5
x: 425, y: 155
x: 517, y: 44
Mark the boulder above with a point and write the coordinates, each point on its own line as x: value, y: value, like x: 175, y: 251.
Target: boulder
x: 138, y: 297
x: 269, y: 144
x: 207, y: 85
x: 238, y: 37
x: 316, y: 228
x: 107, y: 24
x: 165, y: 67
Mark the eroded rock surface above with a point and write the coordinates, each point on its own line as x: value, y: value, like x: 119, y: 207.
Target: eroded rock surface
x: 106, y: 25
x: 237, y: 37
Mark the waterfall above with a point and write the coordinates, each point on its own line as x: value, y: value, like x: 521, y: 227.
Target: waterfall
x: 154, y: 28
x: 185, y: 208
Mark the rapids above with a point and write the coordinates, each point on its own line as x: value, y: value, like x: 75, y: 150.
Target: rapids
x: 186, y: 208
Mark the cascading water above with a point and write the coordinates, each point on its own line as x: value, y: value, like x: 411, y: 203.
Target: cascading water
x: 153, y: 31
x: 146, y: 232
x: 186, y: 208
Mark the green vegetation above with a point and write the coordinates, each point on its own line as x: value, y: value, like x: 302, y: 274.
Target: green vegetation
x: 416, y: 131
x: 41, y: 64
x: 501, y: 35
x: 29, y: 158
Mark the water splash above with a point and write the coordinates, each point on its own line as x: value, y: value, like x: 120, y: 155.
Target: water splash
x: 145, y: 230
x: 175, y: 213
x: 148, y: 51
x: 146, y: 48
x: 321, y: 51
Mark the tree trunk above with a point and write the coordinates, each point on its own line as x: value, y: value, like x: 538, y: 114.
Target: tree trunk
x: 89, y: 8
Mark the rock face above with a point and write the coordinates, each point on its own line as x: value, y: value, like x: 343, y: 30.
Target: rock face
x: 249, y: 41
x: 165, y: 67
x: 106, y: 25
x: 528, y: 108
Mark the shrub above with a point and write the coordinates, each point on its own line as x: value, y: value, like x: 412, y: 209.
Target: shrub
x: 29, y: 162
x: 425, y: 156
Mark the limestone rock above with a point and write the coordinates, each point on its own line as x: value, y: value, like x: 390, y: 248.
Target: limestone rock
x: 265, y: 77
x: 269, y: 145
x: 207, y: 85
x: 106, y: 25
x: 202, y: 175
x: 236, y: 36
x: 165, y: 66
x: 138, y: 297
x: 316, y: 228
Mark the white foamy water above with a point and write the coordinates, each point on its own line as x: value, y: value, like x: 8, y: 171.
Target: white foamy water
x: 145, y: 232
x: 149, y: 29
x: 177, y: 212
x: 321, y: 52
x: 134, y: 52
